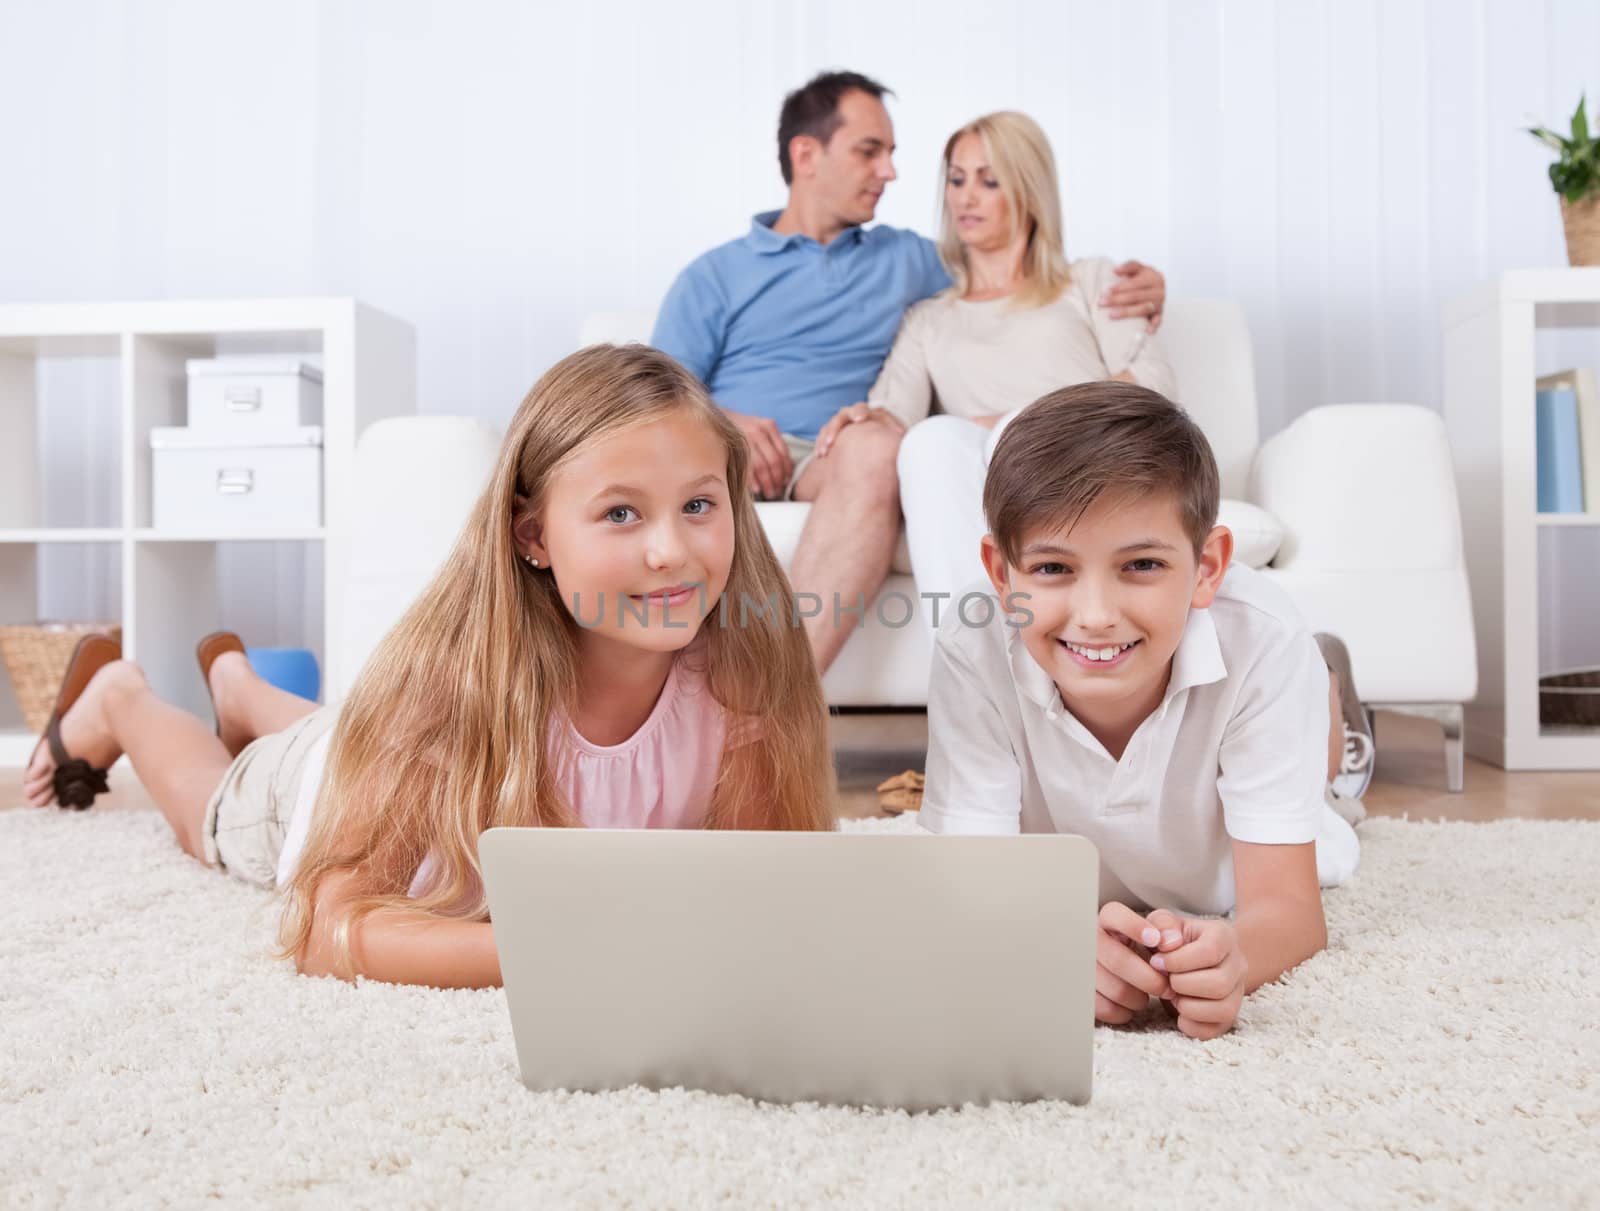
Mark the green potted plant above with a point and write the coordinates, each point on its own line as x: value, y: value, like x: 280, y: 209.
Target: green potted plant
x: 1576, y: 178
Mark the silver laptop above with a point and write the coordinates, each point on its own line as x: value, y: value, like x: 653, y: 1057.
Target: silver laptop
x: 850, y: 968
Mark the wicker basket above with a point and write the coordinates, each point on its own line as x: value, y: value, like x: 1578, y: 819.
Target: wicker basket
x: 1570, y: 699
x: 36, y: 656
x: 1581, y: 220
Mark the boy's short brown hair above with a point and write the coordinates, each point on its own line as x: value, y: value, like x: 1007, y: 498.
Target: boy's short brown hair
x: 1070, y: 448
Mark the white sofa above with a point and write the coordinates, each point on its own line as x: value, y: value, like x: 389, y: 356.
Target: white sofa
x: 1359, y: 501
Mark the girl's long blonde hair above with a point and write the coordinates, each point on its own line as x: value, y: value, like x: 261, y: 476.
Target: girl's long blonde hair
x: 1021, y: 160
x: 444, y: 734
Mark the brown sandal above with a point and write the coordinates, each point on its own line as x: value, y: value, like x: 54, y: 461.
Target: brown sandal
x: 76, y: 782
x: 206, y: 652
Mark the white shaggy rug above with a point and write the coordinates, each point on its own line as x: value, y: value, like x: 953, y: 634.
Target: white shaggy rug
x: 1444, y: 1050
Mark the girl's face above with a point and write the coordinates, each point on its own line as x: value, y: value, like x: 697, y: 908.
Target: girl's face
x: 973, y: 197
x: 637, y: 531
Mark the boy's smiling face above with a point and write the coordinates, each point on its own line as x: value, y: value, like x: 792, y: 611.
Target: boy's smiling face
x: 1110, y: 597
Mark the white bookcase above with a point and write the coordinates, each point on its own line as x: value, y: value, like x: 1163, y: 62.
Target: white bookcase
x: 169, y: 579
x: 1492, y: 339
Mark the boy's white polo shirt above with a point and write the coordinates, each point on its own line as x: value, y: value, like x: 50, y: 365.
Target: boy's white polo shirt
x: 1237, y: 750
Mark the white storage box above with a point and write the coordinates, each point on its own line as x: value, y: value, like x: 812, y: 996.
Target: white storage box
x: 204, y: 483
x: 247, y: 396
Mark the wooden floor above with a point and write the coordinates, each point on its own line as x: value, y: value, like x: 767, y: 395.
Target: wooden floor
x: 1409, y: 779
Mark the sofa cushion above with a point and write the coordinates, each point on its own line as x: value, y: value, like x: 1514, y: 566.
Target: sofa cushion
x: 784, y: 519
x: 1257, y: 534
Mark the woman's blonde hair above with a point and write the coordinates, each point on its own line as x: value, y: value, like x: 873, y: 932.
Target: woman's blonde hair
x: 1021, y: 160
x: 444, y: 734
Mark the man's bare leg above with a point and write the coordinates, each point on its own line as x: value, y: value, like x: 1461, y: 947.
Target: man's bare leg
x: 177, y: 757
x: 848, y: 542
x: 249, y: 706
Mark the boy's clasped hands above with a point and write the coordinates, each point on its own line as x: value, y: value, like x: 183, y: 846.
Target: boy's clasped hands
x: 1195, y: 964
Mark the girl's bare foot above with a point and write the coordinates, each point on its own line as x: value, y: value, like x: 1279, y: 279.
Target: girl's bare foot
x: 228, y: 673
x: 85, y: 732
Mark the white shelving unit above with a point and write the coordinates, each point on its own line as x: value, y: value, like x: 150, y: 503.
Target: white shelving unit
x: 1490, y: 352
x: 169, y: 580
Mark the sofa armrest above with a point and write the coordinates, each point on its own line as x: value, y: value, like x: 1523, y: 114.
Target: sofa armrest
x: 1360, y: 487
x: 1372, y: 545
x: 417, y: 479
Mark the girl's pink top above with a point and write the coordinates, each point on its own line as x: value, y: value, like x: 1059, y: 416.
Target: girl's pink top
x: 659, y: 777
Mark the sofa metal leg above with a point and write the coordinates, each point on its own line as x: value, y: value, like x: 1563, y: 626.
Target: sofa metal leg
x: 1453, y: 720
x: 1451, y: 716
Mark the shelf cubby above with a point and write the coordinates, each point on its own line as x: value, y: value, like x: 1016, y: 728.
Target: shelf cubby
x: 1569, y: 607
x: 60, y: 417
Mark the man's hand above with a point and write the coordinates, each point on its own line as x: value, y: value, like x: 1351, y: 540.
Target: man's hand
x: 1205, y: 968
x: 1142, y: 291
x: 1124, y: 980
x: 770, y: 464
x: 853, y: 415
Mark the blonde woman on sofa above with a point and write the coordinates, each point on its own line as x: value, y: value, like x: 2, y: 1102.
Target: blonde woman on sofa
x: 572, y: 664
x: 1017, y: 322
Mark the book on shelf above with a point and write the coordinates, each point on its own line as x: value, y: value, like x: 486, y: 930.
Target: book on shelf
x: 1585, y: 386
x: 1559, y: 481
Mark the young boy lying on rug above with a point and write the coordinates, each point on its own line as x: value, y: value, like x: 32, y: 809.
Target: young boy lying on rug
x: 1131, y: 687
x: 570, y: 664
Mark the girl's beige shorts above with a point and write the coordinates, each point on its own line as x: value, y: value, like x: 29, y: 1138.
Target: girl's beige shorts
x: 248, y: 815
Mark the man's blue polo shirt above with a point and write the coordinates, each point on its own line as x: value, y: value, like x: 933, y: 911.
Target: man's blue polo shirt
x: 782, y: 326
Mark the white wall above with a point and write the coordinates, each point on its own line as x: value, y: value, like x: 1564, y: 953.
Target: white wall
x: 492, y: 170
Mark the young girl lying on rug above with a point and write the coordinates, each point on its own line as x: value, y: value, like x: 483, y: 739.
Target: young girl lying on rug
x: 1132, y: 688
x: 569, y: 665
